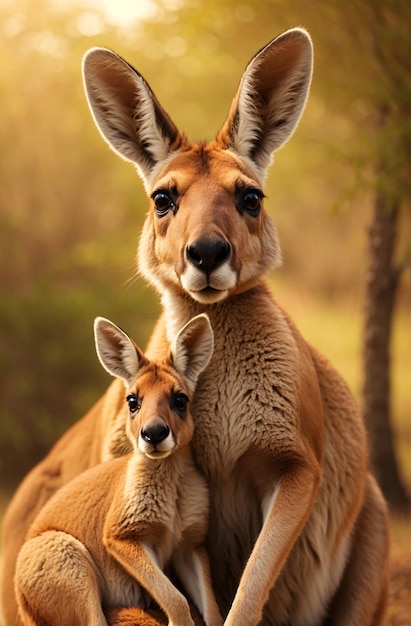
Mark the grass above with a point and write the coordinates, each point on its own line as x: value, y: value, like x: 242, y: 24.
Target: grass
x: 399, y: 607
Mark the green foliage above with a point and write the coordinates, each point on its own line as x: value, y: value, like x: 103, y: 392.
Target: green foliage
x: 49, y: 372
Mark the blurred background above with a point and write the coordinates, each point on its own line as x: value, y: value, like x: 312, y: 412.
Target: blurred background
x: 71, y: 211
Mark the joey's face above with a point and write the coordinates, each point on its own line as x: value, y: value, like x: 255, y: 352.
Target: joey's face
x: 159, y: 420
x: 207, y: 234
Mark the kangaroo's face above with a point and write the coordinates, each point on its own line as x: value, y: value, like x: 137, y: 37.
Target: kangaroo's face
x: 159, y: 418
x: 207, y: 233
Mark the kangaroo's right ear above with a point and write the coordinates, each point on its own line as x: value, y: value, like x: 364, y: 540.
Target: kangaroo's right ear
x: 118, y: 354
x: 127, y: 113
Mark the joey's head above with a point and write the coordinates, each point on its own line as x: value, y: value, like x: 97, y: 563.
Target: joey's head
x: 207, y: 234
x: 157, y: 393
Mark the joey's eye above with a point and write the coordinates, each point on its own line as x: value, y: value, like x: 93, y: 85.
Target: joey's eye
x: 252, y: 201
x: 134, y: 403
x: 163, y: 203
x: 180, y: 401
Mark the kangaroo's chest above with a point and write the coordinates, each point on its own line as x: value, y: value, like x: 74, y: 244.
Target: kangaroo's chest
x: 245, y: 418
x: 245, y: 406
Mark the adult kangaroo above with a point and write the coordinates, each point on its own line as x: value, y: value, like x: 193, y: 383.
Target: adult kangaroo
x: 298, y: 527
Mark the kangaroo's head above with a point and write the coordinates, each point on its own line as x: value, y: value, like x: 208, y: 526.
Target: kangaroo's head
x: 207, y: 234
x: 158, y: 393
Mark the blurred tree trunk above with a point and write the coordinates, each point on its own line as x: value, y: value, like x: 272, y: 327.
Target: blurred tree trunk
x: 381, y: 289
x: 389, y: 45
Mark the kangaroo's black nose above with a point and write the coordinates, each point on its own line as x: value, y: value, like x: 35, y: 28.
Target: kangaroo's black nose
x: 207, y: 255
x: 154, y: 433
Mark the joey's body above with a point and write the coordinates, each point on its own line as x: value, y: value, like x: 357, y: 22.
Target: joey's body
x: 298, y: 527
x: 105, y: 539
x: 103, y: 493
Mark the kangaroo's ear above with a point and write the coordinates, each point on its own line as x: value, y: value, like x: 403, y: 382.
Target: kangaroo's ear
x: 118, y: 354
x: 270, y: 99
x: 192, y: 349
x: 127, y: 112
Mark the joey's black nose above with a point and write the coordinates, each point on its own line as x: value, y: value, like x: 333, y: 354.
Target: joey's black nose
x: 208, y: 254
x: 155, y: 433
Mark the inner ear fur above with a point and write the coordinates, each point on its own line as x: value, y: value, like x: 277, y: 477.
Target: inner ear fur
x: 127, y: 112
x: 270, y: 98
x: 117, y: 352
x: 192, y: 349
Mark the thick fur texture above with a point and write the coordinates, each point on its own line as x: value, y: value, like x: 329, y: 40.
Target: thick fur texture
x: 104, y: 540
x: 298, y: 526
x: 137, y: 617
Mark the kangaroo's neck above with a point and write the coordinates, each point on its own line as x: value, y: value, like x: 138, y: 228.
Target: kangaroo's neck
x: 178, y: 309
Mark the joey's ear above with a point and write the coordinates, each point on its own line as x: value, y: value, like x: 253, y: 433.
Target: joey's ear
x: 118, y: 354
x: 127, y: 112
x: 270, y: 99
x: 192, y: 349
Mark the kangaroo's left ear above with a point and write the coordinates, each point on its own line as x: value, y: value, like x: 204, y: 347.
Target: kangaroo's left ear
x: 192, y: 349
x: 118, y: 354
x: 270, y: 99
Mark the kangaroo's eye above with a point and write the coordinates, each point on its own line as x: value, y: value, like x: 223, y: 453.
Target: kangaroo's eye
x: 252, y: 201
x: 180, y: 401
x: 163, y: 203
x: 134, y: 403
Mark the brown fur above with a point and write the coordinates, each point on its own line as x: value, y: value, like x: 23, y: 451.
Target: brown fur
x: 135, y: 617
x: 105, y: 538
x: 298, y: 527
x: 138, y: 617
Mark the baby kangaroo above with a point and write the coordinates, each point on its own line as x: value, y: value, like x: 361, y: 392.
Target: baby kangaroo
x: 105, y: 539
